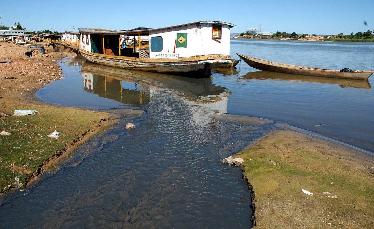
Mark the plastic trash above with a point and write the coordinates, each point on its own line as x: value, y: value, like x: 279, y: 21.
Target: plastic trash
x: 4, y: 133
x: 55, y: 134
x: 130, y: 126
x: 306, y: 192
x: 24, y: 112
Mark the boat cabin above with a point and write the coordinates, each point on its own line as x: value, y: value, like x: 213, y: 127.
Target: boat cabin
x: 201, y: 38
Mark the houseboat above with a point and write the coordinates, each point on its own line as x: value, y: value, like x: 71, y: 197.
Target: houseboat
x: 190, y: 49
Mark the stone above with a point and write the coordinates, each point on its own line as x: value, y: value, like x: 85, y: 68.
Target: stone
x: 130, y: 126
x: 233, y: 161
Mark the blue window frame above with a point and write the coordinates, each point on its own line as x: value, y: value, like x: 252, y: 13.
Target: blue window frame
x: 157, y: 44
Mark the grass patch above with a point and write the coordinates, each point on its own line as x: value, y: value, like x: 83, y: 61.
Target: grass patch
x: 28, y: 147
x: 284, y: 162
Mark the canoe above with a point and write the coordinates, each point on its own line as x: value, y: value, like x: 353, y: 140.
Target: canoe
x: 266, y: 65
x: 344, y: 83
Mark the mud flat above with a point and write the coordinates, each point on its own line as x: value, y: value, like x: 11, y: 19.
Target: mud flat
x: 26, y: 151
x: 303, y: 182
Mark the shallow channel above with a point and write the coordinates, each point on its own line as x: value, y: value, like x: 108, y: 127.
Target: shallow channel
x: 165, y: 173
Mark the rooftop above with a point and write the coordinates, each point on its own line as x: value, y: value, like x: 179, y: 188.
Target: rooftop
x: 147, y: 31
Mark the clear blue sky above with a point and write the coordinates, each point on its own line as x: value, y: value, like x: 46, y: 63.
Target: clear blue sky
x: 301, y: 16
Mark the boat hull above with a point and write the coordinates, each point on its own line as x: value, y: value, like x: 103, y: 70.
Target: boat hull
x: 187, y: 68
x: 265, y: 65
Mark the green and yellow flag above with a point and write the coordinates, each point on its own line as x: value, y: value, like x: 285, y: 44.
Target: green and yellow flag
x: 181, y: 40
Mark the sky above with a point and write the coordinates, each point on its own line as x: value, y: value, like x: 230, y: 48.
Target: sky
x: 301, y: 16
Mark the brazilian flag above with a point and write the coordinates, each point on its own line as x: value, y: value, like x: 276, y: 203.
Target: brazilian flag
x: 181, y: 40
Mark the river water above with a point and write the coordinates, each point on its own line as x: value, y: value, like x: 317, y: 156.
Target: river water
x: 167, y: 172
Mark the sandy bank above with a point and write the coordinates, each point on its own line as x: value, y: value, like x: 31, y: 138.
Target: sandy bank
x: 303, y: 182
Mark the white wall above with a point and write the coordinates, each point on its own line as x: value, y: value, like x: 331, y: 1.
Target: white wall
x: 199, y: 42
x: 82, y: 42
x: 70, y: 37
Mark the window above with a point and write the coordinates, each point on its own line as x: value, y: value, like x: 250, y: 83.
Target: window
x: 157, y: 44
x: 216, y: 32
x: 87, y: 40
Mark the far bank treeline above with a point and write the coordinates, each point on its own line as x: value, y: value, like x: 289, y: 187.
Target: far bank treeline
x: 367, y: 36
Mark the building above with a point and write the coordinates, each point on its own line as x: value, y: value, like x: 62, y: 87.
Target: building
x: 11, y: 34
x: 71, y: 38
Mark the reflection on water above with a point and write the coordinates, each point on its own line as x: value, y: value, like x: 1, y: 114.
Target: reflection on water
x: 265, y: 75
x: 116, y: 89
x: 338, y: 109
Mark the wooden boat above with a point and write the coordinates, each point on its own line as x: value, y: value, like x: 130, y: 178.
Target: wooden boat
x: 266, y: 65
x: 344, y: 83
x: 191, y: 67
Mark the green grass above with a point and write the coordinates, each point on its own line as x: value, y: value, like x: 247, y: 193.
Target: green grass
x: 284, y: 162
x: 28, y: 146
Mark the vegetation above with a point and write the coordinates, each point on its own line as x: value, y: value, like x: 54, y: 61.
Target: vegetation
x: 285, y: 162
x: 28, y: 147
x: 360, y: 36
x: 18, y: 26
x: 3, y: 27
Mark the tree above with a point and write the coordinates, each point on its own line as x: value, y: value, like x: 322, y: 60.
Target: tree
x: 3, y: 27
x: 18, y: 26
x: 368, y: 34
x: 294, y: 35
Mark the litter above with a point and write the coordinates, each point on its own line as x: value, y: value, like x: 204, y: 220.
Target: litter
x: 4, y: 133
x: 130, y: 126
x: 233, y: 161
x: 55, y: 134
x: 329, y: 195
x: 24, y: 112
x: 306, y: 192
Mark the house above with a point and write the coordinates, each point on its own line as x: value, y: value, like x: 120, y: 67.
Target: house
x: 11, y: 34
x: 71, y: 38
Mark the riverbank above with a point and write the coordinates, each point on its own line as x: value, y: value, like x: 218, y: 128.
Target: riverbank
x: 300, y: 181
x: 26, y: 151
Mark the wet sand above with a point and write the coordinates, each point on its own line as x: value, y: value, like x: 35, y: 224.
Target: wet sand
x: 301, y: 181
x: 27, y: 152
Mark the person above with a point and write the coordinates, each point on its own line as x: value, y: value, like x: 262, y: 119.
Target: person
x: 123, y: 41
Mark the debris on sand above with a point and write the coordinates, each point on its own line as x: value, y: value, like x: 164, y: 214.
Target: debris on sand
x: 130, y: 126
x: 233, y: 161
x: 329, y: 195
x: 25, y: 112
x: 306, y: 192
x: 4, y: 133
x: 55, y: 134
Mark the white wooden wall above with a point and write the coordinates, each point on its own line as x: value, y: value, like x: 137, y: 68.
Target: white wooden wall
x: 199, y: 42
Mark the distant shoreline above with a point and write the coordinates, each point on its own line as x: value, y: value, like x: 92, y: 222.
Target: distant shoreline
x: 304, y: 40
